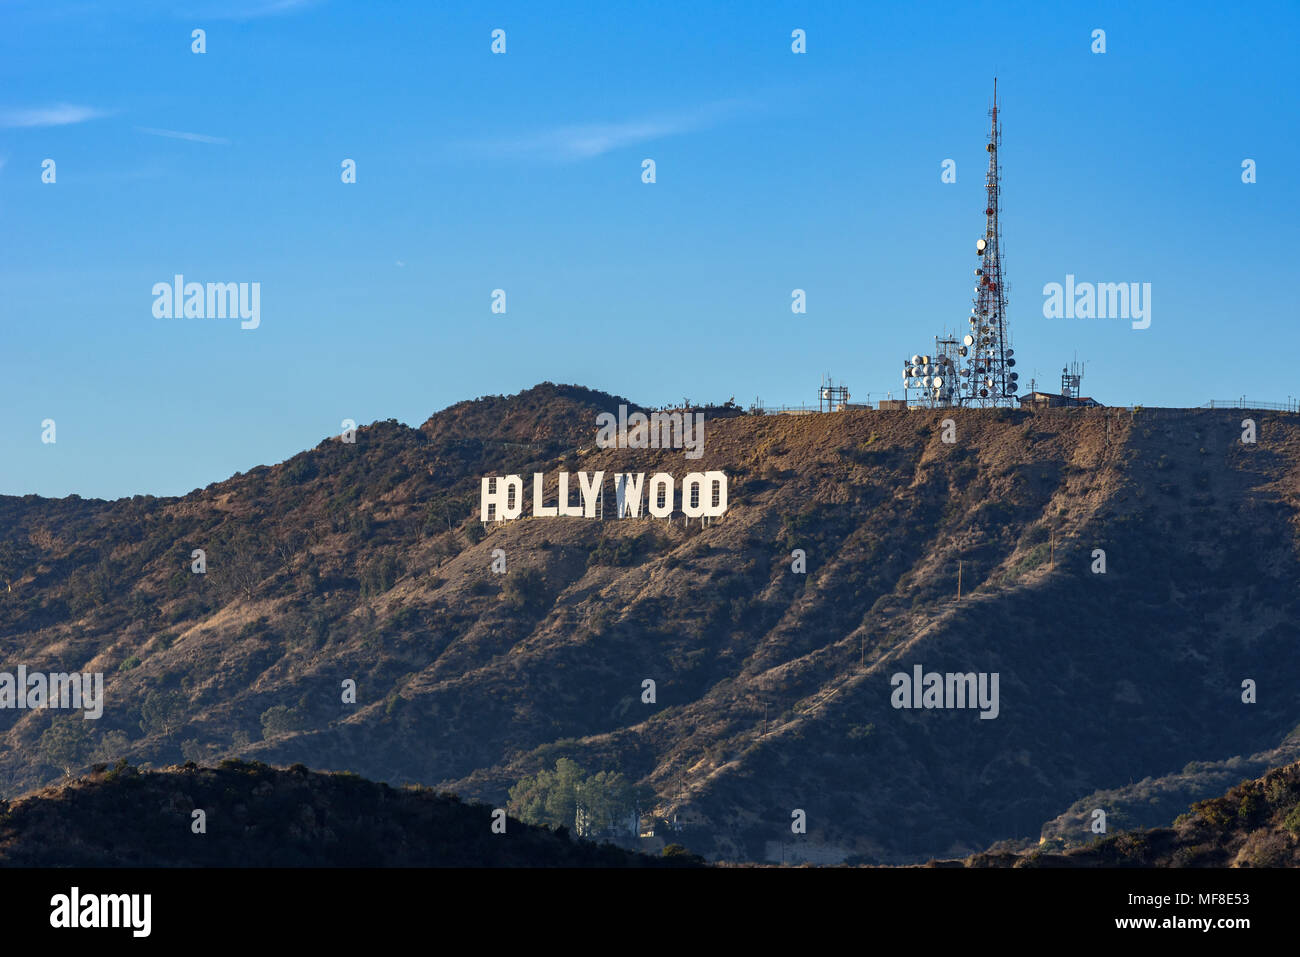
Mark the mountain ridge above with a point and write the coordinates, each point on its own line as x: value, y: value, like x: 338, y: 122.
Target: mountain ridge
x: 365, y: 562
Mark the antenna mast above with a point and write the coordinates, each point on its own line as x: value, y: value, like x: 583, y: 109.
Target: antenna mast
x: 989, y: 381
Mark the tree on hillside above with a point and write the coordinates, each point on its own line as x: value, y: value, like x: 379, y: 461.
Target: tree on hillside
x: 111, y: 746
x: 569, y: 797
x: 14, y: 559
x: 65, y: 742
x: 548, y: 797
x: 607, y: 799
x: 163, y: 712
x: 240, y: 568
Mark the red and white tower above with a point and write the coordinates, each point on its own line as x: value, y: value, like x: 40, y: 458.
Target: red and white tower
x: 988, y: 379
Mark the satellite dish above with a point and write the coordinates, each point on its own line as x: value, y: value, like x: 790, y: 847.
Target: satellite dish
x: 1011, y: 389
x: 1013, y: 376
x: 988, y: 381
x: 826, y: 393
x: 969, y: 340
x: 1010, y: 353
x: 965, y: 373
x: 981, y: 244
x: 926, y: 381
x: 984, y: 393
x: 961, y: 350
x: 979, y: 272
x: 916, y: 360
x: 938, y: 382
x: 1011, y: 362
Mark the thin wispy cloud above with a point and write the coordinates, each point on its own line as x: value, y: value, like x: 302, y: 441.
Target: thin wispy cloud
x: 62, y: 114
x: 179, y: 135
x: 588, y: 140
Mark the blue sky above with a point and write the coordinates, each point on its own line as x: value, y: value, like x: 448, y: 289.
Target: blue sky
x: 522, y: 171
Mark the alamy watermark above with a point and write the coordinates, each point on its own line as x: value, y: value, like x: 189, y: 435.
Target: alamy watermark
x: 659, y: 430
x: 75, y: 909
x: 58, y: 690
x: 1103, y: 300
x: 179, y: 299
x: 950, y: 690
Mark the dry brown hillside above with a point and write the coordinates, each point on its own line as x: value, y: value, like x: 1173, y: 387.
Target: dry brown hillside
x: 1255, y: 824
x: 367, y: 562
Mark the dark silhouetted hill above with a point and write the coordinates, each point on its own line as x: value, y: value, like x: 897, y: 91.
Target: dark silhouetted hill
x: 258, y: 816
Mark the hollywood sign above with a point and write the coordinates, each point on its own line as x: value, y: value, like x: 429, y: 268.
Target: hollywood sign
x: 703, y: 495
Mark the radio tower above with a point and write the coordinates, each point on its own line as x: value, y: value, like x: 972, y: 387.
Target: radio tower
x: 989, y: 381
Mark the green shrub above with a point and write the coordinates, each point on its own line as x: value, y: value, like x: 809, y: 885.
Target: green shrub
x: 525, y: 590
x: 1216, y: 812
x: 1036, y: 535
x: 281, y: 719
x: 1250, y: 805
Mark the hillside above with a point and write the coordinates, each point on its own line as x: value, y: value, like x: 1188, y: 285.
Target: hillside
x: 1256, y: 824
x: 258, y: 816
x: 366, y: 561
x: 1155, y: 802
